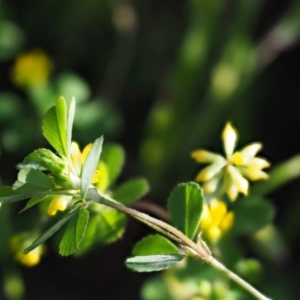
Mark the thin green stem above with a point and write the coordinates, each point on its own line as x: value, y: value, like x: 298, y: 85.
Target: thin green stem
x: 216, y: 264
x: 198, y: 251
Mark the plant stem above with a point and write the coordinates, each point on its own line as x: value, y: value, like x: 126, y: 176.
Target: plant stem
x: 216, y: 264
x: 198, y: 251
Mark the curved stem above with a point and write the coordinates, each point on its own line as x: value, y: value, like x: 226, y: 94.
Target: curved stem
x: 216, y: 264
x: 198, y: 251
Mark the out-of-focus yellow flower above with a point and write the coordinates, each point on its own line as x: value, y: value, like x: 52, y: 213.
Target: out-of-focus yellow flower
x: 230, y: 173
x: 215, y: 220
x: 18, y: 245
x: 31, y: 69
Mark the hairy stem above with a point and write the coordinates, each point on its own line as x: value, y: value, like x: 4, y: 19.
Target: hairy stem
x: 198, y: 251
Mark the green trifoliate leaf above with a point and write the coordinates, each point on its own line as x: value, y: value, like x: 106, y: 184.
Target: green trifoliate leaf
x: 89, y: 167
x: 152, y: 263
x: 55, y: 126
x: 30, y: 180
x: 44, y: 159
x: 131, y: 191
x: 185, y: 207
x: 252, y: 214
x: 113, y: 156
x: 154, y: 253
x: 74, y: 232
x: 47, y: 234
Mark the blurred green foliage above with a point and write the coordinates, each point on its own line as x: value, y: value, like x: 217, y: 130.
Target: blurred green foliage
x: 161, y: 78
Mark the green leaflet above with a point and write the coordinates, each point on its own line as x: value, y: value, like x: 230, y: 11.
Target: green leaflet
x: 30, y: 180
x: 131, y: 191
x: 74, y: 232
x: 152, y: 263
x: 113, y: 156
x: 252, y: 215
x: 90, y: 165
x: 154, y: 253
x: 48, y: 233
x: 55, y: 126
x: 185, y: 207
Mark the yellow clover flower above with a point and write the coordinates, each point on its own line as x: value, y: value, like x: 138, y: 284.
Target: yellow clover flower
x: 77, y: 159
x: 18, y: 245
x: 215, y: 220
x: 230, y: 173
x: 31, y: 69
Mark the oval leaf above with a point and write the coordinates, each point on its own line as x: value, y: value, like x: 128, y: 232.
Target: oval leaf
x: 252, y: 214
x: 131, y: 191
x: 47, y: 234
x: 152, y: 263
x: 55, y: 126
x: 113, y: 156
x: 154, y: 244
x: 185, y: 207
x: 90, y: 166
x: 74, y: 232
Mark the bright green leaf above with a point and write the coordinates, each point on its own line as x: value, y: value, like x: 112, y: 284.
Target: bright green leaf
x: 252, y: 214
x: 154, y: 244
x: 152, y: 263
x: 30, y: 180
x: 70, y: 120
x: 113, y: 156
x: 74, y: 232
x: 185, y: 207
x: 55, y: 126
x: 131, y: 191
x: 47, y: 234
x: 90, y: 165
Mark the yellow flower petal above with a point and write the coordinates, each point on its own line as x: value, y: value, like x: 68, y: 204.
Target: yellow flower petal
x: 227, y: 221
x: 211, y: 186
x: 238, y: 180
x: 206, y: 218
x: 259, y: 163
x: 229, y: 137
x: 85, y: 153
x: 232, y: 192
x: 58, y: 203
x: 203, y: 156
x: 76, y: 158
x: 217, y: 210
x: 251, y: 150
x: 254, y: 173
x: 238, y: 159
x: 214, y: 232
x: 210, y: 171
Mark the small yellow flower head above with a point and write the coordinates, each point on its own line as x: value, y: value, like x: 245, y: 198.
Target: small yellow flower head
x: 77, y: 160
x: 31, y: 69
x: 232, y: 172
x: 215, y: 220
x: 18, y: 245
x: 59, y: 202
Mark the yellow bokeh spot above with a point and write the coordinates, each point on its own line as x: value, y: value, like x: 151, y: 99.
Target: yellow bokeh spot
x: 31, y: 69
x: 103, y: 181
x: 225, y: 81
